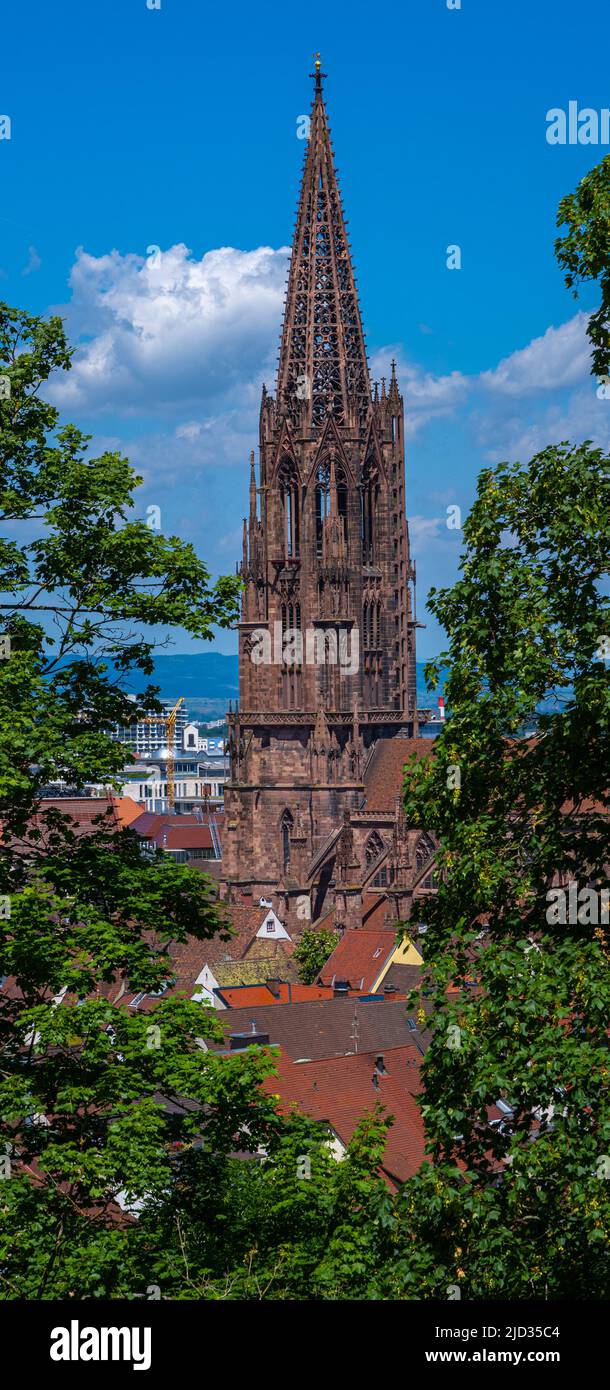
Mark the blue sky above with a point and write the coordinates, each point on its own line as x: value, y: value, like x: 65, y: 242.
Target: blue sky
x: 177, y: 128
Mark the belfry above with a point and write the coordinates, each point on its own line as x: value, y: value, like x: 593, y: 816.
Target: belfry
x: 326, y: 554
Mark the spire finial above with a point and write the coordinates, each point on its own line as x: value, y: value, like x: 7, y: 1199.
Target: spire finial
x: 318, y: 75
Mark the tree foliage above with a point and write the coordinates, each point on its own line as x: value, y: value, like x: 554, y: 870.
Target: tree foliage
x: 583, y: 252
x: 119, y: 1127
x: 312, y: 951
x: 521, y: 1207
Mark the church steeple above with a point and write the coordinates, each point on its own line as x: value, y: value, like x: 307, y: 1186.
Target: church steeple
x: 323, y: 368
x: 327, y: 633
x: 328, y: 548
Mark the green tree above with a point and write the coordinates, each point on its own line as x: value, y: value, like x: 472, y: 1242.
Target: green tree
x: 583, y: 252
x: 119, y: 1127
x: 312, y: 952
x: 85, y: 1128
x: 521, y: 1208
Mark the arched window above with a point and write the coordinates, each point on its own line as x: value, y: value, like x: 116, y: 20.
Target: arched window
x: 424, y: 851
x: 381, y: 878
x: 369, y: 498
x: 286, y: 825
x: 374, y: 847
x: 289, y: 496
x: 323, y: 499
x: 322, y: 503
x: 342, y: 495
x: 291, y: 618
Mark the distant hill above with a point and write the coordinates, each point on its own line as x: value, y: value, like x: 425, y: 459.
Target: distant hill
x: 208, y: 680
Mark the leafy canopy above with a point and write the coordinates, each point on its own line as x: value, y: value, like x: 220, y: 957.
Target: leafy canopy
x: 583, y: 252
x: 521, y: 1207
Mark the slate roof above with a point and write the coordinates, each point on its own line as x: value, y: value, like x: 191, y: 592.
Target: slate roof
x: 327, y: 1027
x: 403, y: 978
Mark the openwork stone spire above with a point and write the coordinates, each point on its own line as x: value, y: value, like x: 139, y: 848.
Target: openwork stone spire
x: 326, y: 560
x: 323, y: 368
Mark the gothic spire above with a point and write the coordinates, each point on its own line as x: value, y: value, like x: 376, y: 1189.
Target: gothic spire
x: 323, y: 366
x: 394, y: 394
x: 252, y: 491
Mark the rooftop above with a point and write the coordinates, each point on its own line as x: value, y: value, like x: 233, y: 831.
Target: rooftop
x: 339, y: 1091
x: 328, y: 1027
x: 383, y: 779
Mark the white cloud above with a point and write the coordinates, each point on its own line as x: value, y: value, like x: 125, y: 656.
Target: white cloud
x: 190, y: 430
x: 581, y: 416
x: 426, y: 396
x: 34, y: 261
x: 183, y: 345
x: 559, y: 358
x: 162, y: 333
x: 423, y: 529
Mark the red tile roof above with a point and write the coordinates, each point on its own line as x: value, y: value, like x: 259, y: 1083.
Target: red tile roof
x: 340, y: 1090
x: 246, y: 996
x: 87, y: 815
x: 383, y: 778
x: 184, y: 837
x: 359, y: 957
x: 127, y: 809
x: 173, y: 832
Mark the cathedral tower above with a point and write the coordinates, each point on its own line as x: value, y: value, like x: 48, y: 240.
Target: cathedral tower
x: 327, y: 636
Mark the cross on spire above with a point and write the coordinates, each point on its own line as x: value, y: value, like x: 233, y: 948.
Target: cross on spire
x: 317, y: 75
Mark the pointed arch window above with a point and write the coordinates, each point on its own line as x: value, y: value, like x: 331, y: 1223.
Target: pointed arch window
x: 286, y: 827
x: 374, y: 847
x: 289, y: 497
x: 369, y: 499
x: 342, y: 496
x: 424, y: 851
x: 323, y: 499
x: 381, y: 879
x: 322, y: 503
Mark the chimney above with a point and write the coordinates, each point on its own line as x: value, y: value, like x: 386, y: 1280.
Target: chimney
x: 238, y: 1041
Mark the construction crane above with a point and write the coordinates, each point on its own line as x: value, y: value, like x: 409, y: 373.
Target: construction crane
x: 169, y: 720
